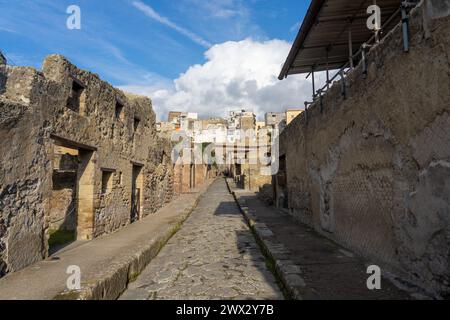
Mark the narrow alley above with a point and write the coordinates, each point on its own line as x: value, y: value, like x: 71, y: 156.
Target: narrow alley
x: 269, y: 152
x: 213, y: 256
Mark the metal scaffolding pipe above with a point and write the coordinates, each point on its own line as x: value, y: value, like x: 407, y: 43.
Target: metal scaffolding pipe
x: 341, y: 72
x: 377, y: 31
x: 313, y: 83
x: 350, y: 45
x: 405, y: 28
x: 306, y: 112
x: 328, y: 69
x: 321, y: 100
x: 364, y: 60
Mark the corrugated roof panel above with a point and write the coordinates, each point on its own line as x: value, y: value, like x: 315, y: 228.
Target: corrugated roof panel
x: 326, y: 26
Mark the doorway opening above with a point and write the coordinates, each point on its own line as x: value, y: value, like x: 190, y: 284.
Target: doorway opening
x: 86, y: 189
x: 63, y: 201
x: 72, y: 199
x: 281, y: 192
x: 137, y: 193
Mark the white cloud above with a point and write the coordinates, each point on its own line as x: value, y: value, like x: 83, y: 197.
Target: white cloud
x: 221, y: 20
x: 222, y: 9
x: 4, y: 29
x: 151, y: 13
x: 240, y: 74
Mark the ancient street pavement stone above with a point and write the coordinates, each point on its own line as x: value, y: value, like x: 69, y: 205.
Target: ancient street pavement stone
x: 213, y: 256
x: 311, y: 266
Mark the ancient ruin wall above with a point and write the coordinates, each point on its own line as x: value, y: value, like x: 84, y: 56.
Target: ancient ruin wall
x: 372, y: 170
x: 23, y: 175
x: 35, y: 119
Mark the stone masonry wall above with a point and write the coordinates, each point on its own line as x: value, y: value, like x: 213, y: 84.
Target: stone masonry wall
x: 35, y: 116
x: 372, y: 170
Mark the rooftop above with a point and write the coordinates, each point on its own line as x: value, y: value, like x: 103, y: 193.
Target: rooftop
x: 333, y: 28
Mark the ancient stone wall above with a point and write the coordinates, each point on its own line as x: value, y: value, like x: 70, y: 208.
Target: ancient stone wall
x: 371, y: 170
x: 121, y: 169
x: 23, y: 172
x: 252, y: 179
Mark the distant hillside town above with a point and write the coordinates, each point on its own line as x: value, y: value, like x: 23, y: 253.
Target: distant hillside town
x: 224, y: 131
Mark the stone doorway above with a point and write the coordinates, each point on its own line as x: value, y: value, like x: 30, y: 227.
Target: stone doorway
x: 137, y: 191
x: 63, y: 201
x: 280, y: 186
x: 86, y: 192
x: 71, y: 209
x: 71, y: 214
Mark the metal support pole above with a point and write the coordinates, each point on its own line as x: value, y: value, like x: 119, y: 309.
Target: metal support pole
x: 313, y: 84
x: 377, y: 36
x: 364, y: 60
x: 342, y: 83
x: 405, y: 28
x: 328, y: 72
x: 377, y: 31
x: 350, y: 45
x: 321, y: 100
x: 306, y: 112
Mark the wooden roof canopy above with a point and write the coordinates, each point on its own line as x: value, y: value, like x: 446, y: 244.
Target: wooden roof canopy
x: 324, y: 34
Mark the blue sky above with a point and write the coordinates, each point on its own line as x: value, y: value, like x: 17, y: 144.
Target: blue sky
x: 141, y: 44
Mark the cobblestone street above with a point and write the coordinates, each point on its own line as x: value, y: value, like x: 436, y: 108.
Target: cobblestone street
x: 213, y: 256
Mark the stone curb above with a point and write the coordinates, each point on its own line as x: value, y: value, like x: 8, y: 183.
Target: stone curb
x: 111, y: 283
x: 287, y: 272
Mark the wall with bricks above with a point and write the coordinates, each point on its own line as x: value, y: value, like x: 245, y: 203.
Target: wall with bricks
x: 372, y: 170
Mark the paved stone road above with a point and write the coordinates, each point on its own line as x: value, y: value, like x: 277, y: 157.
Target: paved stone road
x: 213, y: 256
